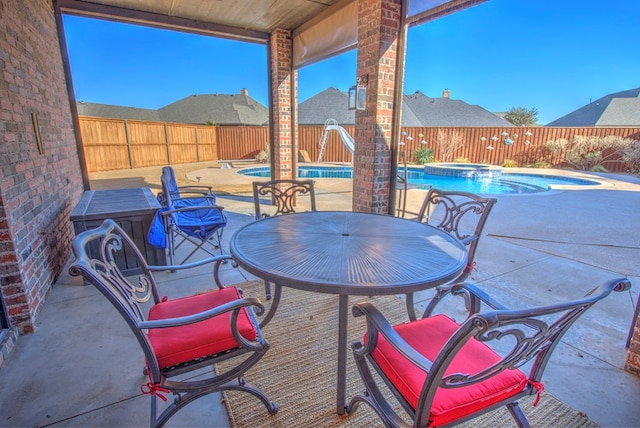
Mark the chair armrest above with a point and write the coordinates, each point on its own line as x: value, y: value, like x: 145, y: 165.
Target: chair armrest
x: 168, y: 212
x: 476, y: 297
x: 201, y: 316
x: 469, y: 239
x: 195, y: 188
x: 215, y: 259
x: 378, y: 324
x: 192, y: 194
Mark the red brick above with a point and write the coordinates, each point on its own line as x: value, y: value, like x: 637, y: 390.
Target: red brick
x: 38, y: 191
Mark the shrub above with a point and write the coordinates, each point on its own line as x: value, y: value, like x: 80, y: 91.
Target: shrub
x: 423, y: 155
x: 509, y: 163
x: 599, y: 168
x: 631, y: 156
x: 585, y: 153
x: 461, y: 160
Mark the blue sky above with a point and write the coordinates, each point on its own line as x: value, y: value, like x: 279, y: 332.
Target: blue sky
x: 552, y: 55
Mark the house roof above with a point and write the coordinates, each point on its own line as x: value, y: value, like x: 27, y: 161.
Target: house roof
x: 116, y: 112
x: 240, y: 109
x: 222, y: 109
x: 417, y: 110
x: 448, y: 112
x: 328, y: 104
x: 617, y: 109
x: 236, y: 109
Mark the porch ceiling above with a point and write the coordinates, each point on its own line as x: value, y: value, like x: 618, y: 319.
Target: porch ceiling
x: 254, y: 20
x: 241, y: 19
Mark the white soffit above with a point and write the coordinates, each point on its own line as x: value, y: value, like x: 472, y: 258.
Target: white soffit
x: 330, y: 33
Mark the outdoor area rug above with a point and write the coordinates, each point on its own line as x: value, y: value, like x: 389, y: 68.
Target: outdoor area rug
x: 298, y: 372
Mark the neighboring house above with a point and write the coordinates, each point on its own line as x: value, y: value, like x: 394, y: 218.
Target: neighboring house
x: 447, y: 112
x: 240, y: 109
x: 328, y: 104
x: 618, y: 109
x: 116, y: 112
x: 220, y: 109
x: 236, y: 109
x: 417, y: 110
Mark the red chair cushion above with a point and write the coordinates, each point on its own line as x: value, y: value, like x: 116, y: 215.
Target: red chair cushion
x: 428, y: 336
x: 175, y: 345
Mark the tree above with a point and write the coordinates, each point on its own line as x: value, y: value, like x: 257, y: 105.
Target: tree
x: 521, y: 116
x: 448, y: 143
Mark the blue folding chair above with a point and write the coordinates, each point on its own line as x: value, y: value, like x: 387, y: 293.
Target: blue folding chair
x: 189, y: 214
x: 183, y: 193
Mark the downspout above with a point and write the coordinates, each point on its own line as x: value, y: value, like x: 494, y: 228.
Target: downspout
x: 396, y: 118
x: 294, y: 123
x: 272, y: 136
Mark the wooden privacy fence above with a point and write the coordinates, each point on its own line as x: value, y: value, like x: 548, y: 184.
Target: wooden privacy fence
x: 112, y: 144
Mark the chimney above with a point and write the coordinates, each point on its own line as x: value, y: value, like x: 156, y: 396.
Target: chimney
x: 445, y: 93
x: 244, y: 92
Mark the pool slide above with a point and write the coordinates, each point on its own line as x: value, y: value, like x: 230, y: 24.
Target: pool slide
x: 347, y: 139
x: 332, y: 125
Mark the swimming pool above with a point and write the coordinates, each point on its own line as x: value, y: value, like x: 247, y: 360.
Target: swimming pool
x: 506, y: 183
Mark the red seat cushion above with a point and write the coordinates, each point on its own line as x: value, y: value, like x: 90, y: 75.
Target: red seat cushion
x: 175, y: 345
x: 427, y: 336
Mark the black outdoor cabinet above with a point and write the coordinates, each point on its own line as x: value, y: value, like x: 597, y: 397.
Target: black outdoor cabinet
x: 133, y: 209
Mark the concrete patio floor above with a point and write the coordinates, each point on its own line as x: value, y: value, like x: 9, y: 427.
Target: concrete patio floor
x: 82, y: 367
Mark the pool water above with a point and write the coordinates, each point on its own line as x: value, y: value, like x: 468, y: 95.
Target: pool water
x: 507, y: 183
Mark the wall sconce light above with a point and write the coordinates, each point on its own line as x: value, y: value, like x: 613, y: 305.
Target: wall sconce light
x: 358, y: 94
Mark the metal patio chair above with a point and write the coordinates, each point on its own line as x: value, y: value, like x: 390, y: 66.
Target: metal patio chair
x: 443, y: 372
x: 177, y: 336
x: 284, y: 196
x: 188, y: 214
x: 462, y: 215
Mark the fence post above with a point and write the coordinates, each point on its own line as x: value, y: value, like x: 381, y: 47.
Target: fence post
x: 197, y: 144
x: 126, y: 134
x: 166, y: 141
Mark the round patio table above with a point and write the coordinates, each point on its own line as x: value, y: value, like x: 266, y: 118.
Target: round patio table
x: 347, y: 253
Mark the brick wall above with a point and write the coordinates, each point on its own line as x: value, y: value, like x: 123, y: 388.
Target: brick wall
x: 38, y: 188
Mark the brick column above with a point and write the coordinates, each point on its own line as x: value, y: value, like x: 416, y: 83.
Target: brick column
x: 283, y: 101
x: 378, y: 31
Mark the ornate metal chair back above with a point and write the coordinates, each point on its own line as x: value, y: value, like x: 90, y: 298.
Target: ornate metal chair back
x: 460, y: 214
x: 284, y: 195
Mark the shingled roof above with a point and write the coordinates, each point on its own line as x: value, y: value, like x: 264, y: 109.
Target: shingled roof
x: 617, y: 109
x: 236, y: 109
x: 116, y: 112
x: 447, y: 112
x: 222, y: 109
x: 328, y: 104
x: 240, y: 109
x: 417, y: 110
